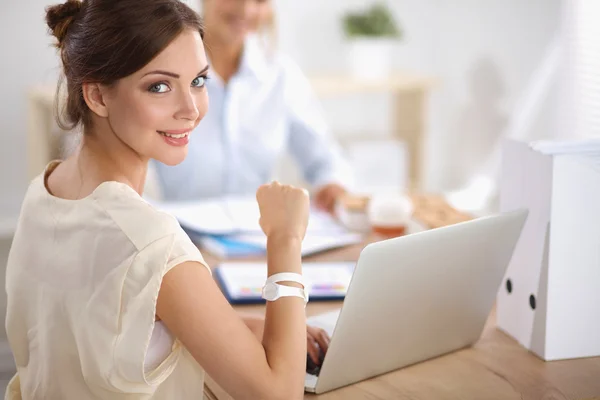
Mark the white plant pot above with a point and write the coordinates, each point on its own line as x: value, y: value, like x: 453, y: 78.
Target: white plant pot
x: 370, y: 58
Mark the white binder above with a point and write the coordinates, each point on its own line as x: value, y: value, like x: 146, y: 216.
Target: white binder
x: 550, y: 299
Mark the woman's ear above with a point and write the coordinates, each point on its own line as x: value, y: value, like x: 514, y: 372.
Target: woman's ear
x: 94, y: 98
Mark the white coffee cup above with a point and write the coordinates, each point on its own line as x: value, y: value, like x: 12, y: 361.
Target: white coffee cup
x: 390, y: 214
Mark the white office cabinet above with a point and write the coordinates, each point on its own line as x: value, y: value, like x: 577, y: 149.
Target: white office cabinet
x: 550, y: 299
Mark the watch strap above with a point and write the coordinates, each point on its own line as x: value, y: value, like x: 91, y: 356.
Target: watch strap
x: 283, y: 291
x: 289, y: 291
x: 286, y: 277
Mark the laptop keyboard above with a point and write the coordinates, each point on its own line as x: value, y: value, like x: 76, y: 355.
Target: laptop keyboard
x: 310, y: 382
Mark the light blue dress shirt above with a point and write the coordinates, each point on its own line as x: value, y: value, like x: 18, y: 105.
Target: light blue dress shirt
x: 266, y: 109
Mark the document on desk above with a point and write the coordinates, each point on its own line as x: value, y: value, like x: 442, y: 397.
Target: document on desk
x: 242, y: 282
x: 236, y: 215
x: 229, y: 227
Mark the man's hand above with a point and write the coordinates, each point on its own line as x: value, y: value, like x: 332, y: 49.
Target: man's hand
x: 327, y: 196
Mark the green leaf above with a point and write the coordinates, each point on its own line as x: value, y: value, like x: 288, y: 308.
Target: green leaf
x: 377, y: 21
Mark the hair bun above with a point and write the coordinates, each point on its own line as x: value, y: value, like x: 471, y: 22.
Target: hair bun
x: 60, y: 16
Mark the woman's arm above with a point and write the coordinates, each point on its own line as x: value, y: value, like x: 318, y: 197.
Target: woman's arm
x: 256, y: 324
x: 193, y: 308
x: 317, y: 339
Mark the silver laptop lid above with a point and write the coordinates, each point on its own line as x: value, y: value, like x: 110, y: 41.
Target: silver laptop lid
x: 420, y: 296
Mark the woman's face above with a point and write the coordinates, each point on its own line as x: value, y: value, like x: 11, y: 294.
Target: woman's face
x: 231, y: 20
x: 155, y: 109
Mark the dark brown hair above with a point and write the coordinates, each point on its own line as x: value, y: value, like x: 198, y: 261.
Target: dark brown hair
x: 102, y: 41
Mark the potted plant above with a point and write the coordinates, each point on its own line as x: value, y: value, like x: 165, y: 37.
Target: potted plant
x: 371, y: 34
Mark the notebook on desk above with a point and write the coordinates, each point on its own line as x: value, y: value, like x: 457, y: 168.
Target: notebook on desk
x: 242, y: 282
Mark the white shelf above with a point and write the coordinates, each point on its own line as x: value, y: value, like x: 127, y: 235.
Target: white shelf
x: 342, y: 84
x: 331, y: 84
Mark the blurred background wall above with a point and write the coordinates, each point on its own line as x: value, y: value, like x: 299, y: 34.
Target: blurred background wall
x: 482, y: 52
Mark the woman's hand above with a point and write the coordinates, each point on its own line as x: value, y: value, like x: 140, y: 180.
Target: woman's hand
x: 327, y: 196
x: 283, y: 210
x: 317, y: 342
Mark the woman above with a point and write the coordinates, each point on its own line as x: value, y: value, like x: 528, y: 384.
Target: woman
x: 107, y: 297
x: 261, y: 107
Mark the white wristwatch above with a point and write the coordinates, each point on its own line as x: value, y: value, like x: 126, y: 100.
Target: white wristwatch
x: 273, y: 291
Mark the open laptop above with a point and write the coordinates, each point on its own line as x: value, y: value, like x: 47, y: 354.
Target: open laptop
x: 416, y: 297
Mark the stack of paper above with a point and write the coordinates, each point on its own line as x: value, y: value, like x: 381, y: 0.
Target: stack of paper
x: 229, y: 227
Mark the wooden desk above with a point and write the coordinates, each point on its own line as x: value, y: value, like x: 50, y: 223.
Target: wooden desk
x: 497, y: 367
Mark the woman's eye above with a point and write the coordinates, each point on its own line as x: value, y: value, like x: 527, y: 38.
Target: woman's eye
x: 159, y: 88
x: 199, y: 81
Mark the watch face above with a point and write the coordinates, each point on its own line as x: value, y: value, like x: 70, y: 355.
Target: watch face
x: 270, y: 291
